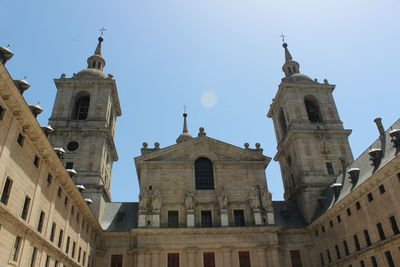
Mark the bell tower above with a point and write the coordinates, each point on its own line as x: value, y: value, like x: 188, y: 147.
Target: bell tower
x: 313, y: 146
x: 83, y: 118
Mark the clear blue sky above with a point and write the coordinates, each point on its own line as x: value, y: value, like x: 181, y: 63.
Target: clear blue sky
x: 164, y: 54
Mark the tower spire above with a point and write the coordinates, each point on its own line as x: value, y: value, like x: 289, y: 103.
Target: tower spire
x: 98, y: 47
x: 290, y: 67
x: 185, y: 135
x: 97, y: 61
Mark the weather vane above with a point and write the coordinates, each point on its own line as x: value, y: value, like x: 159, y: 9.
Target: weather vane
x: 184, y: 108
x: 283, y: 37
x: 102, y: 30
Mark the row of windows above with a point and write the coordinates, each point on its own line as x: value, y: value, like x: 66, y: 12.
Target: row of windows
x: 370, y: 198
x: 374, y: 262
x: 357, y: 246
x: 33, y: 260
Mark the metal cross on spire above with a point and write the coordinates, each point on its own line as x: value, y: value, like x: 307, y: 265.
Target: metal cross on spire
x: 283, y: 37
x: 184, y: 108
x: 102, y: 30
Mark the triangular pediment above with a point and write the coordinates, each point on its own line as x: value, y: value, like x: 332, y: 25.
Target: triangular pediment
x: 215, y: 150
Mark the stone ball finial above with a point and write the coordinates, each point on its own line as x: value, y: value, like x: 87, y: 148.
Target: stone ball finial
x: 325, y: 81
x: 63, y: 76
x: 258, y: 145
x: 246, y: 145
x: 157, y: 145
x: 284, y: 45
x: 201, y: 132
x: 110, y: 76
x: 100, y: 39
x: 145, y: 145
x: 316, y: 80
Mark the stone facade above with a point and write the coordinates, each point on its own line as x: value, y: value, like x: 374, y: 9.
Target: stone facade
x: 202, y: 202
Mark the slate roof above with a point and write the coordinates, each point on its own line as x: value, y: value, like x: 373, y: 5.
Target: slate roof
x: 363, y: 162
x: 288, y: 215
x: 111, y: 209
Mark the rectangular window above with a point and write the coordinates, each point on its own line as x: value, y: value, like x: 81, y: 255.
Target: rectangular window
x: 67, y: 245
x: 60, y: 238
x: 329, y: 168
x: 323, y: 229
x: 348, y: 212
x: 33, y: 257
x: 73, y: 249
x: 374, y: 262
x: 316, y: 232
x: 84, y: 259
x: 2, y: 111
x: 346, y: 248
x: 173, y: 218
x: 69, y: 165
x: 116, y: 260
x: 20, y: 139
x: 206, y: 218
x: 79, y: 254
x: 239, y: 217
x: 389, y: 258
x: 338, y: 219
x: 41, y: 221
x: 358, y: 205
x: 295, y: 257
x: 367, y: 238
x: 362, y: 264
x: 356, y: 243
x: 328, y: 253
x: 244, y: 259
x: 47, y: 261
x: 6, y: 191
x: 393, y: 223
x: 25, y: 208
x: 36, y: 161
x: 15, y: 250
x: 382, y: 235
x: 173, y: 259
x: 331, y: 223
x: 72, y: 210
x: 53, y: 230
x: 322, y: 259
x: 337, y: 251
x: 56, y: 264
x: 59, y: 192
x: 370, y: 197
x: 382, y: 189
x: 66, y: 201
x: 49, y: 179
x: 209, y: 259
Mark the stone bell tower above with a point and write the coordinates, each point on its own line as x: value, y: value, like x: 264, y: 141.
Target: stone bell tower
x: 83, y: 118
x: 313, y: 146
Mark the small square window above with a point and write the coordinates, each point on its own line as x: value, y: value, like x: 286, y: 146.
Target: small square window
x: 329, y: 168
x: 20, y: 139
x: 370, y: 197
x: 331, y: 223
x: 69, y: 165
x: 49, y: 179
x: 323, y: 229
x: 358, y: 205
x: 316, y: 232
x: 382, y: 189
x: 338, y: 219
x: 36, y: 161
x: 59, y: 192
x: 348, y: 212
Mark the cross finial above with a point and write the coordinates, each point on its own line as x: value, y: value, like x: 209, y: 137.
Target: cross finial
x: 283, y: 37
x: 184, y: 108
x: 102, y: 30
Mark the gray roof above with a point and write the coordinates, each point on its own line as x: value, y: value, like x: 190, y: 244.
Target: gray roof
x: 110, y: 219
x: 364, y: 163
x: 288, y: 215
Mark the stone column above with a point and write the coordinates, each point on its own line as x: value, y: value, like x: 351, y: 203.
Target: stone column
x: 155, y: 257
x: 260, y: 259
x: 190, y: 218
x: 191, y: 257
x: 257, y: 216
x: 156, y: 219
x: 273, y: 256
x: 224, y: 217
x: 140, y: 258
x: 142, y: 219
x: 227, y: 256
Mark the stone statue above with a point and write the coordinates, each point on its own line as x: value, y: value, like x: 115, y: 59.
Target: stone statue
x: 222, y: 198
x: 143, y: 200
x: 254, y: 199
x: 190, y: 201
x: 156, y: 200
x: 266, y: 199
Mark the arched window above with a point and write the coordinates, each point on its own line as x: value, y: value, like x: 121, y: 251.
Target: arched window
x: 282, y: 122
x: 82, y: 108
x: 203, y: 170
x: 312, y: 107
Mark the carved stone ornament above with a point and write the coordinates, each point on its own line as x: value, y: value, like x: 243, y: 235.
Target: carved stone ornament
x: 190, y: 201
x: 143, y: 200
x: 156, y: 200
x: 266, y: 199
x: 254, y: 199
x: 222, y: 198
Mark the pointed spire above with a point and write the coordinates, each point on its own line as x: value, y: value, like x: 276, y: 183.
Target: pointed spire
x: 288, y: 56
x: 185, y: 135
x: 98, y: 48
x: 290, y: 67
